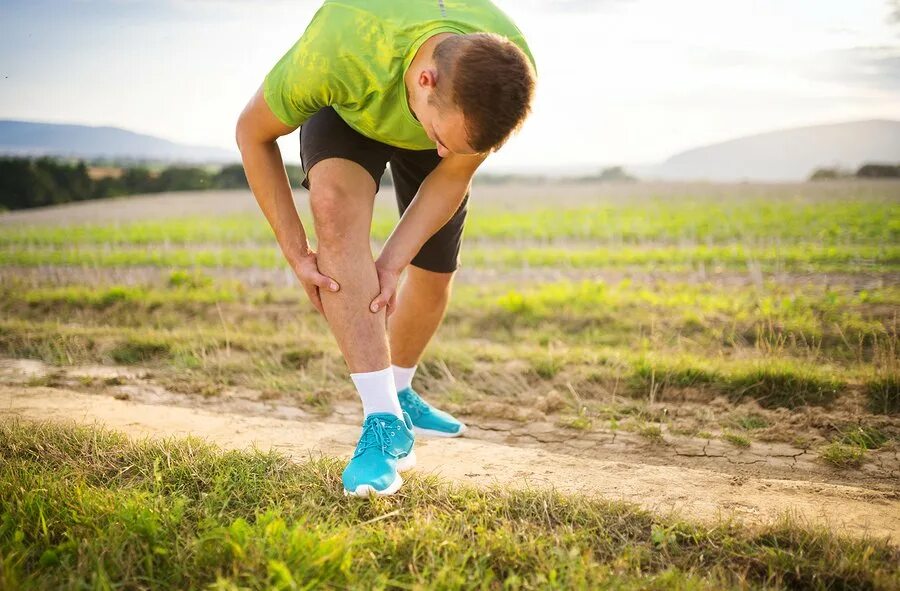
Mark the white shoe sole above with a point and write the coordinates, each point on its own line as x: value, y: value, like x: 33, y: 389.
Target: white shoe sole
x: 407, y: 462
x: 365, y: 490
x: 433, y: 433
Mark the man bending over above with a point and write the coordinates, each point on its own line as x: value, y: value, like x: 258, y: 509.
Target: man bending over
x: 432, y: 87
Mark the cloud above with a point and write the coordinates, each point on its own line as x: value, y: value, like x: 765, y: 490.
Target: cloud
x: 876, y: 66
x: 570, y: 6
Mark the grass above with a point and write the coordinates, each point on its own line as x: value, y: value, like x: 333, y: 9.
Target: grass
x: 88, y: 507
x: 785, y: 218
x: 579, y: 423
x: 864, y: 437
x: 843, y: 455
x: 140, y: 350
x: 782, y: 300
x: 779, y: 384
x: 884, y: 394
x: 259, y: 357
x: 813, y: 257
x: 736, y: 439
x: 581, y: 312
x: 749, y: 422
x: 652, y: 433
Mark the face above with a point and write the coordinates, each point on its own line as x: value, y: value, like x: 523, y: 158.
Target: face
x: 446, y: 128
x: 444, y: 125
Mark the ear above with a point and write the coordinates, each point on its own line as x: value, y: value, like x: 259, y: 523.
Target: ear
x: 428, y: 78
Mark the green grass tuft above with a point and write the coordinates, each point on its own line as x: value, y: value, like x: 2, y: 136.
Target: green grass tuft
x: 774, y: 385
x: 139, y: 350
x: 735, y: 439
x: 864, y: 437
x: 842, y: 455
x: 651, y: 432
x: 749, y: 422
x: 884, y: 394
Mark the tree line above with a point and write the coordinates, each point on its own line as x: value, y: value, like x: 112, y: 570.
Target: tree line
x: 36, y: 182
x: 866, y: 171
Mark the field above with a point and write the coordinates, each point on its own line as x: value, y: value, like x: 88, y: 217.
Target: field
x: 723, y: 351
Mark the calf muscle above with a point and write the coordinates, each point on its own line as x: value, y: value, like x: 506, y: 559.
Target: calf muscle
x: 342, y: 195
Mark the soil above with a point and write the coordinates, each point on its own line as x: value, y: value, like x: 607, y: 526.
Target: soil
x: 694, y: 478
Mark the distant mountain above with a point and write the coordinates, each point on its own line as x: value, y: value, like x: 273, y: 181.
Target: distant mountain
x: 25, y: 138
x: 786, y: 155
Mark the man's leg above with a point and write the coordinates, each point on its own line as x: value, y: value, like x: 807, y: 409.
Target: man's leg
x: 342, y: 195
x: 423, y: 295
x: 421, y: 304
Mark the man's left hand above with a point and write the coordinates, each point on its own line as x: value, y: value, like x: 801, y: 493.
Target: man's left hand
x: 387, y: 279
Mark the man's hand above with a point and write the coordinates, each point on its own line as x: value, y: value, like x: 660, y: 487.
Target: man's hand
x: 438, y: 198
x: 306, y: 269
x: 387, y: 279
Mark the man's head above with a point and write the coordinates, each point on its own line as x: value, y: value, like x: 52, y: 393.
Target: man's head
x: 475, y: 94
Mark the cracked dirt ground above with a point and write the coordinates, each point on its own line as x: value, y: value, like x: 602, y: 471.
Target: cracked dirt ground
x: 696, y: 478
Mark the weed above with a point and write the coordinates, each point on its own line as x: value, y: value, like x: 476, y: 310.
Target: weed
x: 842, y: 455
x: 749, y: 422
x: 581, y: 423
x: 651, y: 432
x: 299, y: 358
x: 546, y: 367
x: 778, y: 385
x: 735, y: 439
x: 884, y: 394
x: 137, y: 350
x: 864, y: 437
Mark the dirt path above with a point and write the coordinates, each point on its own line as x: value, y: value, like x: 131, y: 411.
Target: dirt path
x: 693, y: 493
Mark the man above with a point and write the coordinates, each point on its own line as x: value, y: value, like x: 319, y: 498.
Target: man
x: 431, y: 86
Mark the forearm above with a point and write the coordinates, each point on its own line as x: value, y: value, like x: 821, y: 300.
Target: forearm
x: 268, y: 181
x: 438, y: 198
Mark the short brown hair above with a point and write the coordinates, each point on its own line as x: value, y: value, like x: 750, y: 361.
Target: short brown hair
x: 491, y: 81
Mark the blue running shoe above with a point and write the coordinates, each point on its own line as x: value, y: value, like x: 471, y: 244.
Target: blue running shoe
x: 385, y: 448
x: 426, y: 419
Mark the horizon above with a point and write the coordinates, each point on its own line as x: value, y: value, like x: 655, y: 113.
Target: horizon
x: 559, y: 170
x: 823, y: 64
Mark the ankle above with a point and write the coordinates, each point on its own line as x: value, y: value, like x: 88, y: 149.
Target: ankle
x: 403, y: 376
x: 377, y: 392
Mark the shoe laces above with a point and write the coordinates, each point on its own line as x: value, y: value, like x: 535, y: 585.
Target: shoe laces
x: 417, y: 406
x: 377, y: 433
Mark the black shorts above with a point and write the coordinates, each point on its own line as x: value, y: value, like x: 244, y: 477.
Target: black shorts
x: 326, y: 135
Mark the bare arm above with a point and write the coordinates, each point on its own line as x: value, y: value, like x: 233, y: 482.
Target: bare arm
x: 438, y: 198
x: 256, y: 132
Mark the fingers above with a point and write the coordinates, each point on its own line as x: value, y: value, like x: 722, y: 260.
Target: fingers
x: 315, y: 298
x: 325, y: 282
x: 392, y: 304
x: 381, y: 301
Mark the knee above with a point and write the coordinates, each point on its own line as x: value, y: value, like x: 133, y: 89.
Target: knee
x: 328, y: 203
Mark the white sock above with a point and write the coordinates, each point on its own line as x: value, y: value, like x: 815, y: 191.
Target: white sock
x: 377, y: 391
x: 403, y: 376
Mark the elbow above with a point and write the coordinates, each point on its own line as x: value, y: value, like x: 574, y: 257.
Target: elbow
x: 244, y: 132
x: 240, y: 133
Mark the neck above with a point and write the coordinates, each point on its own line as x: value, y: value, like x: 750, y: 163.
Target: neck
x: 422, y: 60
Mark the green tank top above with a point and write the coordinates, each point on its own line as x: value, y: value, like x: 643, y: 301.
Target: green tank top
x: 353, y: 57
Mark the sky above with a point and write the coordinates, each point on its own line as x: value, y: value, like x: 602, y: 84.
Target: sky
x: 620, y: 81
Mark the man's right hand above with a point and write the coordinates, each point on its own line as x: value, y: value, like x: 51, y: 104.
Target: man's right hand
x: 306, y: 269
